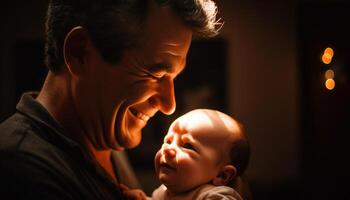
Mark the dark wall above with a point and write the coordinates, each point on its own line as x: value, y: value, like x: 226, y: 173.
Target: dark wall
x: 325, y: 113
x: 21, y: 53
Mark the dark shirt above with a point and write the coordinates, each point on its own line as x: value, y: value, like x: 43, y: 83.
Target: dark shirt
x: 37, y: 160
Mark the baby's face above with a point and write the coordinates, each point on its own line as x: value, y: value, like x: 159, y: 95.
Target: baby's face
x: 194, y: 149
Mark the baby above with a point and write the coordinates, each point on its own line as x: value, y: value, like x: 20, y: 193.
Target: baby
x: 203, y: 151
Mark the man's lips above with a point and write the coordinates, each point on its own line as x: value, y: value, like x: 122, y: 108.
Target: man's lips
x: 140, y: 115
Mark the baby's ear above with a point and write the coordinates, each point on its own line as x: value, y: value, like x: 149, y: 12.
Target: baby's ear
x: 227, y: 173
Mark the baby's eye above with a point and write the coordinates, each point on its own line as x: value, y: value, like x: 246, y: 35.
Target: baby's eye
x: 167, y: 141
x: 188, y: 146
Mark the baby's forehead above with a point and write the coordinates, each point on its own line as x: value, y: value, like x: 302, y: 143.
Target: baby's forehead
x: 192, y: 120
x: 204, y: 118
x: 207, y: 124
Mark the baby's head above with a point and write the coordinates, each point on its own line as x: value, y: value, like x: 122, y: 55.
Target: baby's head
x: 202, y: 146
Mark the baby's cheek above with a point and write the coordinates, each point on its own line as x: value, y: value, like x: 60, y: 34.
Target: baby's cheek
x: 157, y: 158
x: 183, y: 157
x: 185, y: 162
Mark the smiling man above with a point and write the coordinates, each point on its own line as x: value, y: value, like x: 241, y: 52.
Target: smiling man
x: 112, y: 65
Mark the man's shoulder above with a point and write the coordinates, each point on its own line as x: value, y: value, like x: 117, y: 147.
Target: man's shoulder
x: 28, y: 161
x: 20, y: 141
x: 13, y: 131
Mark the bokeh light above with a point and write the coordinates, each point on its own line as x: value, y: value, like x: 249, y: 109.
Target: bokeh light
x: 327, y: 55
x: 330, y: 84
x: 329, y: 51
x: 329, y: 74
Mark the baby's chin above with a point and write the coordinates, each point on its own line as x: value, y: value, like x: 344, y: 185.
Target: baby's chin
x: 175, y: 189
x: 164, y: 179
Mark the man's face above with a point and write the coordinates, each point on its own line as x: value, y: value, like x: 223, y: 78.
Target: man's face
x: 123, y: 97
x: 194, y: 150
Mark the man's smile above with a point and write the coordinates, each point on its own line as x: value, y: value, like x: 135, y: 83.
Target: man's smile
x: 143, y: 117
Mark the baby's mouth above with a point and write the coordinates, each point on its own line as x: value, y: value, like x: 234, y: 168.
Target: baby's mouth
x: 167, y: 166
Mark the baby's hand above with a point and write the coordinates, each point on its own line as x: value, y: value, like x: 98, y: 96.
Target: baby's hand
x: 132, y: 194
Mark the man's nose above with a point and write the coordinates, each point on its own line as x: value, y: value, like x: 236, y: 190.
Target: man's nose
x: 165, y: 99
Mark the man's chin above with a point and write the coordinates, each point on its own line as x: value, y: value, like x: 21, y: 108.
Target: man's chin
x: 132, y: 145
x: 130, y: 141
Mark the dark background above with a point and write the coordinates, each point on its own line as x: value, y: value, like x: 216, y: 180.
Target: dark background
x: 265, y: 69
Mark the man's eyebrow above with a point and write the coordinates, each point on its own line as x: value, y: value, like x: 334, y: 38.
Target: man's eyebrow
x: 161, y: 66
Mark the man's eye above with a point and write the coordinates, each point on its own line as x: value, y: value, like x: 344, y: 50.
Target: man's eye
x: 157, y: 75
x: 188, y: 146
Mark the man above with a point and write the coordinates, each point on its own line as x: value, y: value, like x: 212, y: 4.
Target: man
x: 112, y: 67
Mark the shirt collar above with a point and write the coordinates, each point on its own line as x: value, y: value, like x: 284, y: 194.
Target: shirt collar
x: 54, y: 132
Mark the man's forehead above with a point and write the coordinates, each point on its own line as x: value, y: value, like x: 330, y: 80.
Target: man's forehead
x: 169, y: 46
x: 167, y: 29
x: 172, y: 44
x: 173, y: 49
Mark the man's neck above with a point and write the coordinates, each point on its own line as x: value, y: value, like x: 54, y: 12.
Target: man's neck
x: 103, y: 157
x: 57, y: 100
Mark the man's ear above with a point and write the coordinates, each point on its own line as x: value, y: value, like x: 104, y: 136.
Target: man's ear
x: 74, y: 49
x: 227, y: 173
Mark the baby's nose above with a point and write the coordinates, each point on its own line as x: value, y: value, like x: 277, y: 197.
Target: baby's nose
x: 169, y: 151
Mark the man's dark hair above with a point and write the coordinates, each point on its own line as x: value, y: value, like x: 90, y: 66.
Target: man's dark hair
x: 115, y: 25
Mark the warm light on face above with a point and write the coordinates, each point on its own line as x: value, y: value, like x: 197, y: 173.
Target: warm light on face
x: 195, y: 119
x: 210, y: 119
x: 330, y: 84
x: 329, y: 74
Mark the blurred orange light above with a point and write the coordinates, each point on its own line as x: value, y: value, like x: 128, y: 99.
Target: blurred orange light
x: 330, y: 84
x: 329, y: 74
x: 326, y: 58
x: 329, y: 51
